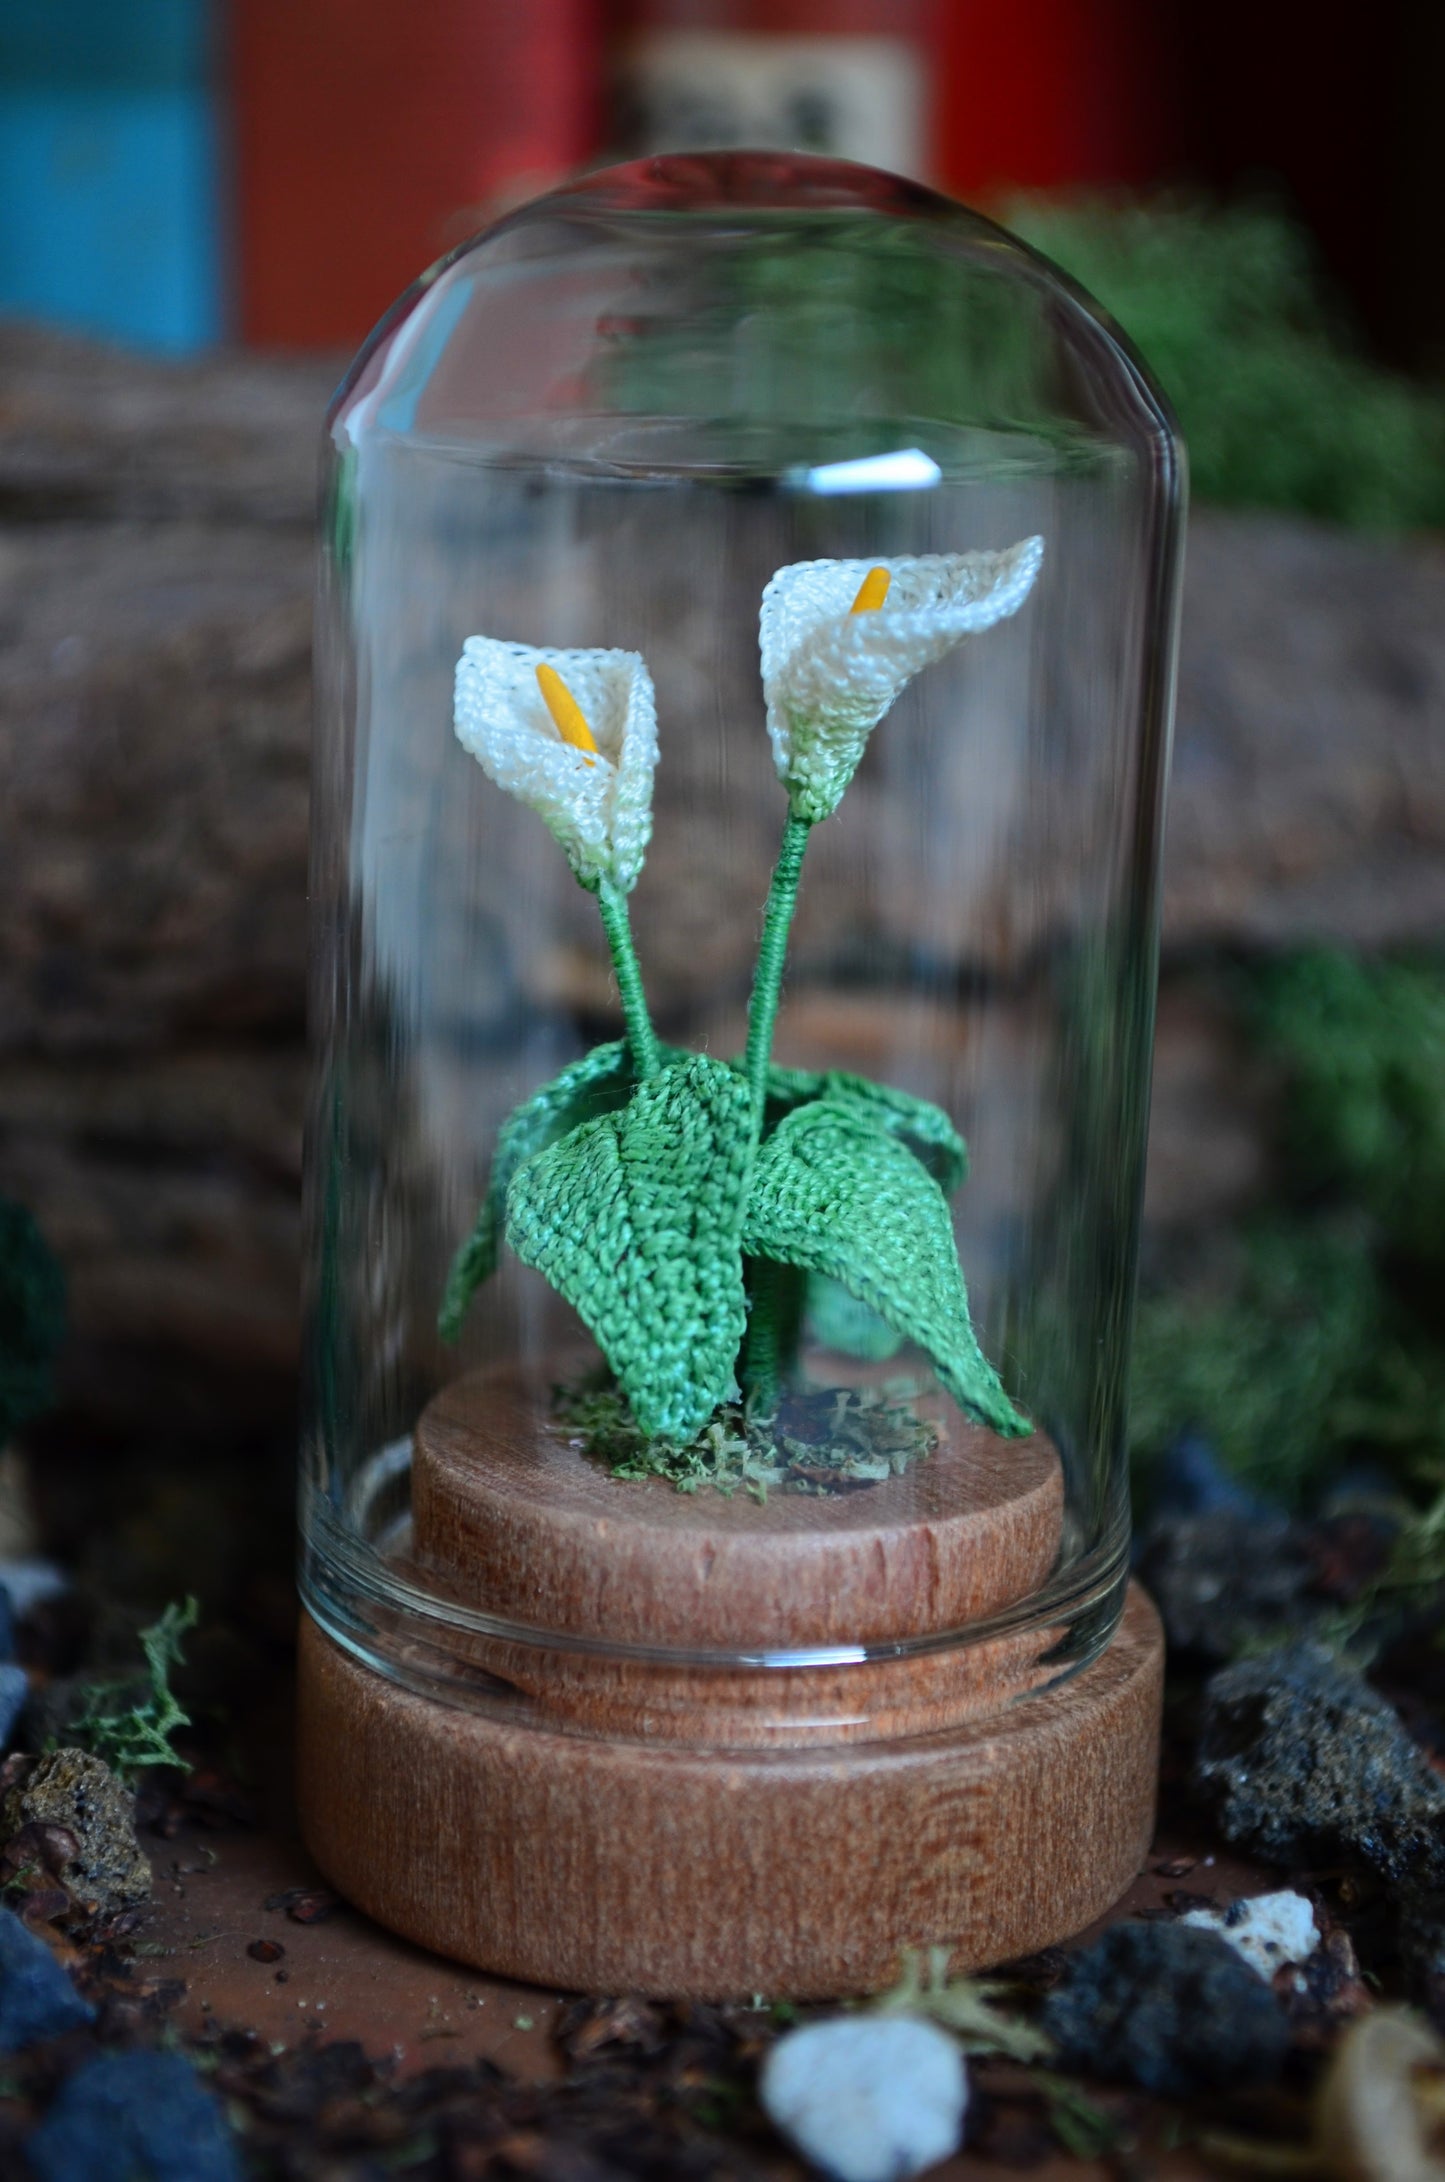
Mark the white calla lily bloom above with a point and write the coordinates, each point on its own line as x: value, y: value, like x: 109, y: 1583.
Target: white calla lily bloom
x: 592, y: 785
x: 830, y: 673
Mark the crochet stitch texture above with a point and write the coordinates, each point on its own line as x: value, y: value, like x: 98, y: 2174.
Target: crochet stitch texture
x: 681, y: 1203
x: 829, y: 675
x: 599, y: 807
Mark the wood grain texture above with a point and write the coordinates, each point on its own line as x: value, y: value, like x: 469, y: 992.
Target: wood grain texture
x: 518, y: 1522
x: 610, y: 1865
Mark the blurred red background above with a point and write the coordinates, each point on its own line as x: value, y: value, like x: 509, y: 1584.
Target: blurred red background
x: 370, y: 135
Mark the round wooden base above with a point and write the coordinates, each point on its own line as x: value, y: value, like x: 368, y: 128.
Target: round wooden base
x: 510, y: 1513
x: 672, y: 1867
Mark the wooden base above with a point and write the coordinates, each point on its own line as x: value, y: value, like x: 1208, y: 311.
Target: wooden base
x: 675, y: 1867
x: 517, y: 1521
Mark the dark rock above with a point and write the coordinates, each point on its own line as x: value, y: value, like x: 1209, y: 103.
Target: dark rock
x: 37, y: 1999
x: 133, y: 2114
x: 73, y: 1790
x: 14, y: 1695
x: 1421, y: 1944
x: 1226, y: 1578
x: 1305, y: 1764
x: 1191, y: 1480
x: 1169, y: 2007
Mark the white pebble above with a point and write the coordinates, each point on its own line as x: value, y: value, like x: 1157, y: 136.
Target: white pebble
x: 868, y: 2098
x: 1267, y: 1929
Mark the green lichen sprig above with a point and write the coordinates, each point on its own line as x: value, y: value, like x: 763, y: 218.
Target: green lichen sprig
x: 132, y: 1737
x: 681, y: 1203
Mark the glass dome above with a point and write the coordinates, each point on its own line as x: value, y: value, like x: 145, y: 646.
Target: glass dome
x: 666, y: 1349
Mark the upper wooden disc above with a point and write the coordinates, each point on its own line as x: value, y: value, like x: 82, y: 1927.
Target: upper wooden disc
x: 521, y: 1524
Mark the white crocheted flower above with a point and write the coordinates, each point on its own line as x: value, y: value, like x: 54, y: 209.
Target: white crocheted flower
x: 830, y: 673
x: 592, y: 787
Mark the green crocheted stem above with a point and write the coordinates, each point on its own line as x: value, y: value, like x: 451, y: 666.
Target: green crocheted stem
x: 774, y: 1324
x: 768, y: 982
x: 617, y: 924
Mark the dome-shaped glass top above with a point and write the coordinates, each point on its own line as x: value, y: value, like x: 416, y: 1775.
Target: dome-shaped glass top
x: 752, y: 313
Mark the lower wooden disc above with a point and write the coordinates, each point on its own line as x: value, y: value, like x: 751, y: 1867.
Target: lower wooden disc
x: 611, y: 1865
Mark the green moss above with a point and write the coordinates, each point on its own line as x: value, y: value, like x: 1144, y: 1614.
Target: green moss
x: 1316, y: 1340
x: 1278, y: 407
x: 1363, y: 1046
x: 1295, y: 1360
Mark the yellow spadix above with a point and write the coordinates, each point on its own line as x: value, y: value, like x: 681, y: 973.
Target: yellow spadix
x: 567, y: 715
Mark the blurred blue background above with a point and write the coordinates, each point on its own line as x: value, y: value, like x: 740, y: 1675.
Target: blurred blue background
x: 110, y: 169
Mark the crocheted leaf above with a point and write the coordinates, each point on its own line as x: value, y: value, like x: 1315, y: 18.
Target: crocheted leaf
x: 840, y: 1321
x: 636, y: 1218
x: 918, y: 1123
x: 598, y: 1082
x: 832, y: 1190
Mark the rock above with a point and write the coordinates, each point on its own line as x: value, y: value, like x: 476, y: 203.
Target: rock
x: 37, y: 1999
x: 868, y: 2098
x: 1420, y: 1940
x: 134, y: 2114
x: 1189, y: 1479
x: 1267, y: 1930
x: 1175, y: 2010
x: 29, y: 1583
x: 1226, y: 1579
x: 1305, y: 1764
x: 70, y: 1788
x: 14, y: 1696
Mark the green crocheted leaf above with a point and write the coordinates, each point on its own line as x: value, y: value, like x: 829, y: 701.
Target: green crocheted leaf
x: 918, y: 1123
x: 832, y: 1190
x: 636, y: 1218
x: 840, y: 1321
x: 600, y: 1081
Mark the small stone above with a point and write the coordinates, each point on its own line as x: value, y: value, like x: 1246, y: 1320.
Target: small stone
x: 868, y: 2098
x: 72, y: 1789
x: 1268, y: 1930
x: 265, y: 1950
x: 14, y: 1695
x: 1167, y: 2007
x: 1305, y: 1764
x: 37, y: 1999
x: 134, y: 2114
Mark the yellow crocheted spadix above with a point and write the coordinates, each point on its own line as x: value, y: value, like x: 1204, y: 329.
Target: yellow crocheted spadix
x: 567, y: 715
x: 872, y: 592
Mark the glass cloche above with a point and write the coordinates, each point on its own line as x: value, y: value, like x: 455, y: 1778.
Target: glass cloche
x: 745, y: 672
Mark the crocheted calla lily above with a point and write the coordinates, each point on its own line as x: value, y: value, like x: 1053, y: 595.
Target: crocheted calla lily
x: 835, y: 659
x: 574, y: 736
